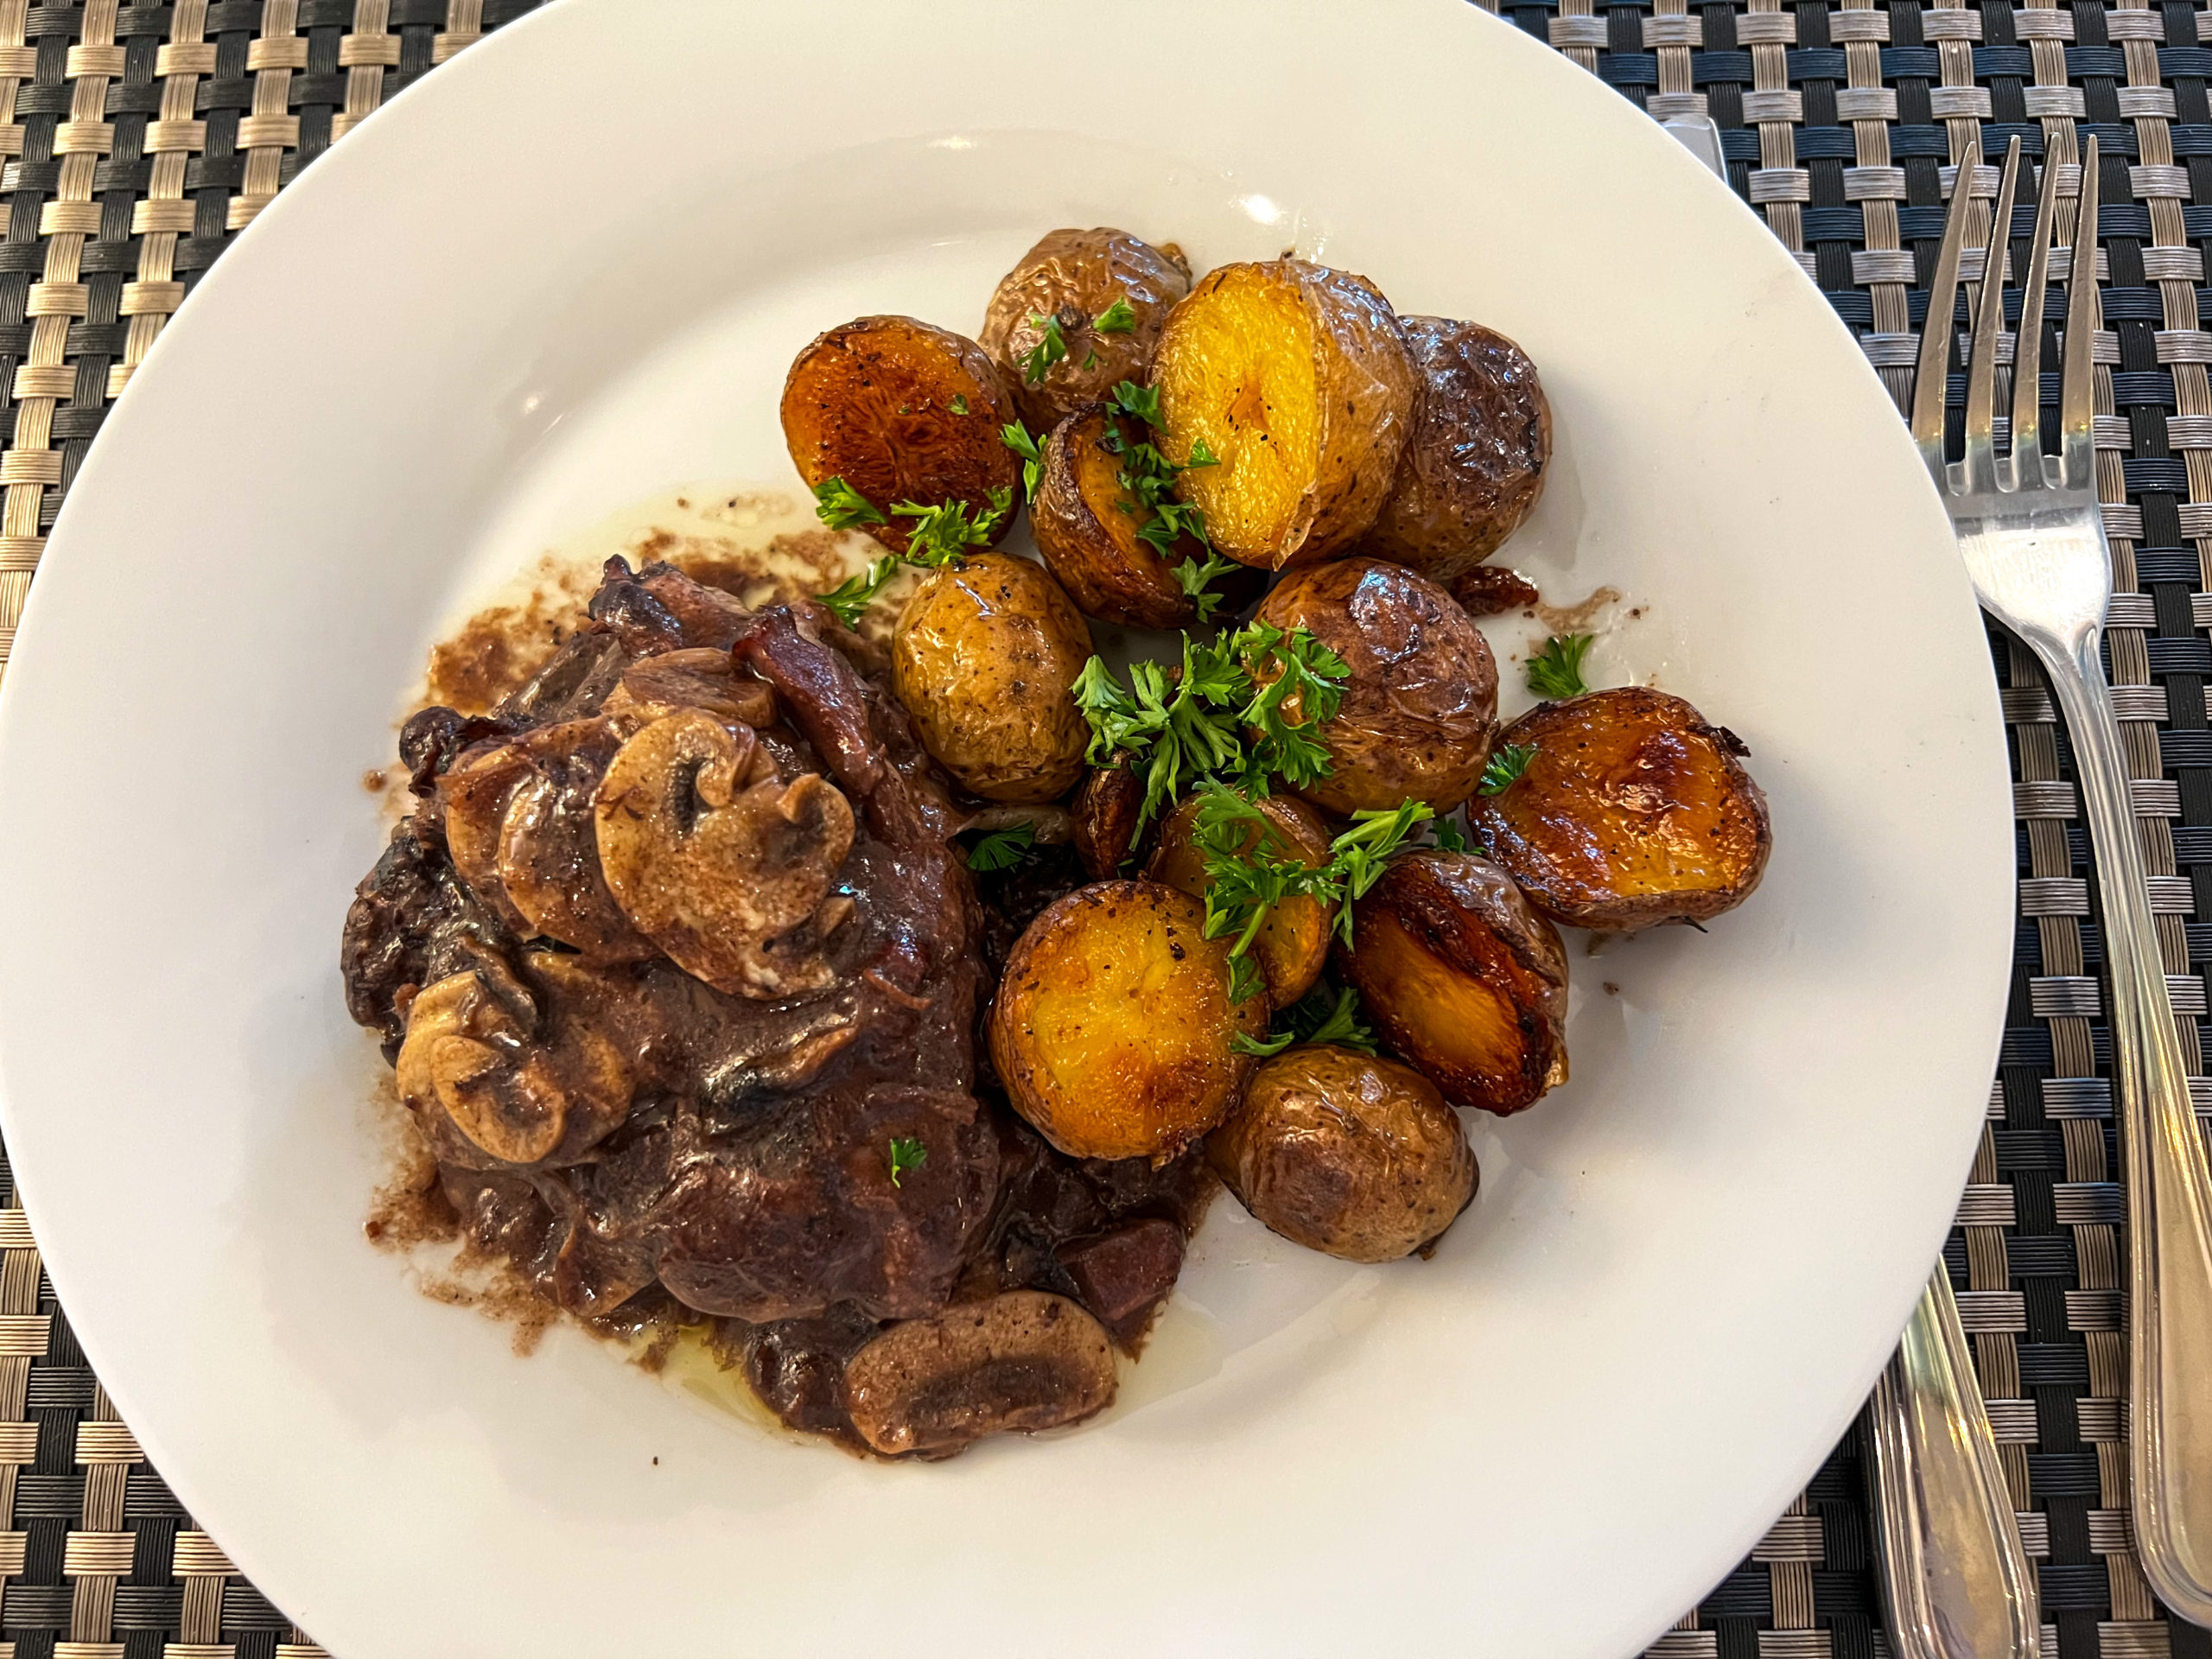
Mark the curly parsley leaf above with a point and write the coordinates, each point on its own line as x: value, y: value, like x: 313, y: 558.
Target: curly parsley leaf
x: 1015, y: 436
x: 1245, y: 979
x: 1143, y: 402
x: 1302, y: 694
x: 1002, y: 849
x: 906, y: 1153
x: 851, y: 599
x: 1358, y: 857
x: 1196, y: 577
x: 840, y: 506
x: 1556, y: 671
x: 1449, y: 836
x: 1507, y: 763
x: 1315, y: 1018
x: 1051, y: 347
x: 943, y: 532
x: 959, y: 404
x: 1116, y: 319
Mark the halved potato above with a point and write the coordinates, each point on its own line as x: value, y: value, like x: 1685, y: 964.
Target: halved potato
x: 1415, y: 720
x: 1632, y: 811
x: 985, y: 656
x: 1474, y: 466
x: 1461, y: 977
x: 1346, y: 1154
x: 1086, y: 526
x: 1107, y: 809
x: 1294, y: 378
x: 1112, y: 1030
x: 1075, y: 277
x: 1292, y: 945
x: 902, y: 411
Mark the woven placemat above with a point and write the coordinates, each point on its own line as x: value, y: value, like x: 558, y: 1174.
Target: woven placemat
x: 137, y: 138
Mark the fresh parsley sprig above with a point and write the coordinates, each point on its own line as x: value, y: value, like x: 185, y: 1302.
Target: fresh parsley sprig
x: 1556, y: 671
x: 850, y: 599
x: 1306, y: 672
x: 1002, y: 849
x: 906, y: 1153
x: 840, y: 506
x: 1507, y: 762
x: 1051, y: 347
x: 943, y: 532
x: 1313, y: 1018
x: 1116, y: 319
x: 1015, y: 436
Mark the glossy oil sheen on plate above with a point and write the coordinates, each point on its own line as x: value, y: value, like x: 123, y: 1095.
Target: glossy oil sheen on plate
x: 566, y: 274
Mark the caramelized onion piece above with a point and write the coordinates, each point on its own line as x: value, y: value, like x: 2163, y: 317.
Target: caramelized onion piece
x: 1022, y: 1360
x: 730, y: 880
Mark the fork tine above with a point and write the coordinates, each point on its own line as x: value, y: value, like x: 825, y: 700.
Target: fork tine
x: 1981, y: 364
x: 2076, y: 392
x: 1928, y: 381
x: 2027, y: 351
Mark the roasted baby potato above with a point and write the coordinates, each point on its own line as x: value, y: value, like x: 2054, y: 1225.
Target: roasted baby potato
x: 1345, y: 1153
x: 902, y: 411
x: 1073, y: 278
x: 1293, y: 943
x: 1632, y: 811
x: 1417, y: 712
x: 1474, y: 466
x: 1462, y: 978
x: 1086, y: 526
x: 1112, y: 1031
x: 985, y: 656
x: 1107, y: 811
x: 1295, y: 378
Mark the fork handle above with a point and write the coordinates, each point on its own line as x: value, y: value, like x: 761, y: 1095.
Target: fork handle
x: 1954, y: 1576
x: 2170, y: 1193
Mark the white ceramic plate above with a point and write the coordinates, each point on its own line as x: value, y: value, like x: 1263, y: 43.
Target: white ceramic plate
x: 567, y: 272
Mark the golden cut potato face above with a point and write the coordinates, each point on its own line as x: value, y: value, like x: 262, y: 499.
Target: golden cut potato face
x: 1086, y: 527
x: 1112, y: 1030
x: 1462, y: 979
x: 1294, y: 378
x: 1418, y: 709
x: 1074, y: 277
x: 902, y: 411
x: 1632, y: 811
x: 985, y: 656
x: 1474, y: 467
x: 1345, y: 1153
x: 1292, y: 945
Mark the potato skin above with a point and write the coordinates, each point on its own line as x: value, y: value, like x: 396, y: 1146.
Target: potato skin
x: 1292, y: 945
x: 1345, y: 1153
x: 1463, y: 978
x: 872, y: 403
x: 1473, y: 469
x: 1632, y: 812
x: 1076, y: 274
x: 1295, y: 376
x: 985, y: 656
x: 1113, y: 1023
x: 1106, y: 811
x: 1418, y: 711
x: 1092, y: 543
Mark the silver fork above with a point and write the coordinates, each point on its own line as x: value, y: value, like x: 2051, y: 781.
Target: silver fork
x: 2032, y: 535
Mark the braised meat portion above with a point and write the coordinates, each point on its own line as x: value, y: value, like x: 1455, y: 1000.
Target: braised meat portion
x: 679, y: 969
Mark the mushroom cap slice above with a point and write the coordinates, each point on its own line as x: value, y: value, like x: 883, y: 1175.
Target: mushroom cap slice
x: 549, y: 848
x: 729, y: 880
x: 465, y: 1067
x: 1024, y: 1360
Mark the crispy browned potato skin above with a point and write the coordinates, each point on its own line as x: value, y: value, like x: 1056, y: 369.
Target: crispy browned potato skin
x: 1418, y: 709
x: 1633, y: 811
x: 985, y: 656
x: 1092, y: 544
x: 1113, y: 1024
x: 1345, y: 1153
x: 1292, y: 945
x: 1463, y: 978
x: 873, y: 403
x: 1107, y: 809
x: 1473, y: 469
x: 1295, y: 377
x: 1076, y: 274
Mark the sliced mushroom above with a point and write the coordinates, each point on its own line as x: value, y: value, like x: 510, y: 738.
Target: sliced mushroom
x: 1022, y: 1360
x: 474, y: 791
x: 467, y: 1064
x: 733, y: 881
x: 656, y: 687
